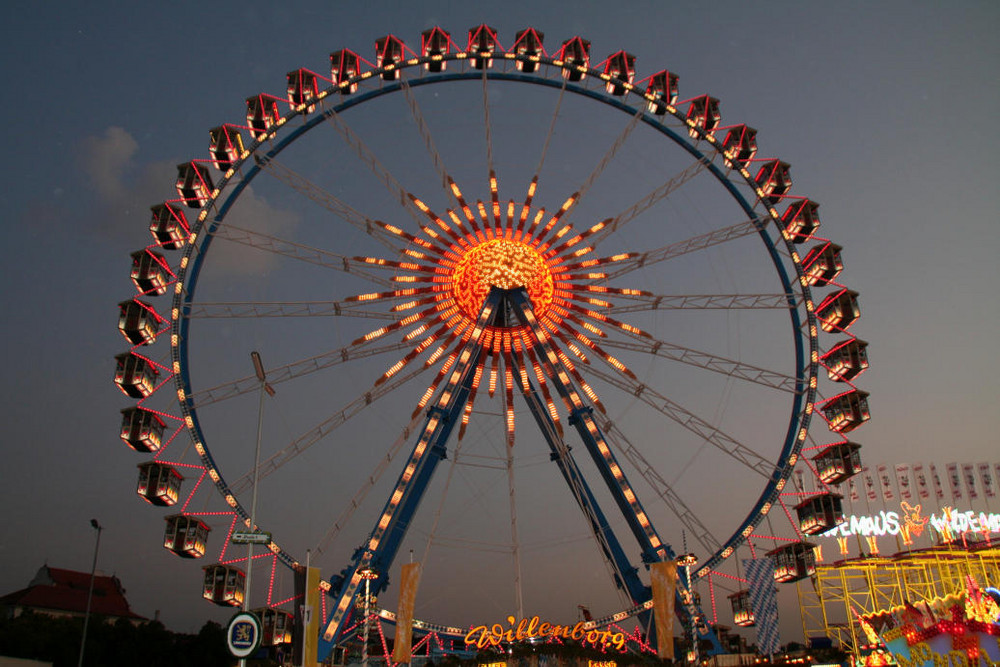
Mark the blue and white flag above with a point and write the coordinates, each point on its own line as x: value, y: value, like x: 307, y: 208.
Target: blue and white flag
x: 764, y: 603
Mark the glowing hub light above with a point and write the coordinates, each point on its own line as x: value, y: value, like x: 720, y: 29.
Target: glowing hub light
x: 504, y: 264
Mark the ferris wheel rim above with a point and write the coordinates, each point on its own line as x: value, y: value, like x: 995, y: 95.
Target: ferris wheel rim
x: 189, y: 275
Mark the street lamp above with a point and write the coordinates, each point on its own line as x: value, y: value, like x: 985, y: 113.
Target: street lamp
x: 258, y: 367
x: 686, y: 562
x: 367, y: 574
x: 90, y: 594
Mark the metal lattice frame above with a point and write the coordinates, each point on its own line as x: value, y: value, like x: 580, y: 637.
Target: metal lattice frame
x: 704, y: 147
x: 832, y: 601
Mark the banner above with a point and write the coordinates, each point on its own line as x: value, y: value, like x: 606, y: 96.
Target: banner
x: 969, y: 473
x: 986, y: 477
x: 903, y: 481
x: 853, y: 490
x: 870, y: 485
x: 936, y: 479
x: 663, y: 577
x: 886, y: 482
x: 408, y: 582
x: 954, y: 481
x: 307, y: 582
x: 764, y: 603
x: 923, y: 488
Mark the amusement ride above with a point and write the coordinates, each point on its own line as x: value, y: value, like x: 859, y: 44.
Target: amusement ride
x: 526, y: 315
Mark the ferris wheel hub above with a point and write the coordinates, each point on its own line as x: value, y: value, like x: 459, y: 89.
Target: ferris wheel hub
x: 505, y: 264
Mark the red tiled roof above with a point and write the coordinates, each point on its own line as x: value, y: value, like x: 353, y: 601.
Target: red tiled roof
x: 66, y: 590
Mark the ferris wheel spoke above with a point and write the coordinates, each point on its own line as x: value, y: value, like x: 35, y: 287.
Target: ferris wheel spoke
x: 710, y: 362
x: 564, y: 213
x: 666, y: 493
x: 425, y: 133
x: 693, y: 244
x: 703, y: 429
x: 645, y: 203
x: 645, y: 302
x: 297, y: 251
x: 609, y: 155
x: 366, y: 155
x: 287, y: 454
x: 533, y: 185
x: 255, y: 309
x: 338, y: 207
x: 488, y: 126
x: 291, y: 371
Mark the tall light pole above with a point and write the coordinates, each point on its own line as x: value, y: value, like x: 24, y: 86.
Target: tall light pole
x: 367, y: 574
x: 686, y: 561
x: 258, y: 367
x: 90, y: 593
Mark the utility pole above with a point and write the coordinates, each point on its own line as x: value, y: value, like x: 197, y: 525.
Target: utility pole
x: 90, y: 593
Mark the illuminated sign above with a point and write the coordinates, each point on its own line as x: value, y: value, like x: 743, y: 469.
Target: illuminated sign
x: 483, y: 636
x: 958, y: 630
x: 243, y: 634
x: 911, y: 522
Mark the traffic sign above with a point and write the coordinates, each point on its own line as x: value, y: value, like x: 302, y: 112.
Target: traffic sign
x: 251, y: 538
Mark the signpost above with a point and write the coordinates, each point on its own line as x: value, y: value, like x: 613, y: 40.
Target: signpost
x: 251, y: 538
x: 243, y: 634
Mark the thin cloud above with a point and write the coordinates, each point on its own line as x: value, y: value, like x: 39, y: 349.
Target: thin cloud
x: 124, y: 188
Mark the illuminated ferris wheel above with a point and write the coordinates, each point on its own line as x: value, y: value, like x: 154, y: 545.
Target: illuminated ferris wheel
x: 524, y: 332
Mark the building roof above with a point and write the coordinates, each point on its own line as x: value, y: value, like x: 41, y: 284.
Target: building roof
x: 58, y: 590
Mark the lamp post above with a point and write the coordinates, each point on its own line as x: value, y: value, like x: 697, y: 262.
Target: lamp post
x: 90, y: 593
x: 367, y: 574
x: 686, y: 561
x: 258, y: 367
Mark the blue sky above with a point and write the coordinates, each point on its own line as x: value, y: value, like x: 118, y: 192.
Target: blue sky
x: 884, y: 111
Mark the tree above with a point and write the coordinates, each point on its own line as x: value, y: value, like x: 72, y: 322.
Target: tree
x: 119, y: 644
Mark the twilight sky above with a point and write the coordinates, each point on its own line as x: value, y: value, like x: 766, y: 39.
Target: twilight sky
x: 883, y: 110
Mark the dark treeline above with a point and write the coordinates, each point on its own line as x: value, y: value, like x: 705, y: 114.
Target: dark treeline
x: 57, y: 640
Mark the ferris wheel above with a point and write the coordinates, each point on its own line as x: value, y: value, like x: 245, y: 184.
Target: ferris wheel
x: 534, y: 319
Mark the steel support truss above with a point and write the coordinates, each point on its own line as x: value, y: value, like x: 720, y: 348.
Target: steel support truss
x: 504, y: 308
